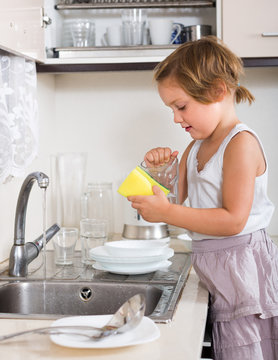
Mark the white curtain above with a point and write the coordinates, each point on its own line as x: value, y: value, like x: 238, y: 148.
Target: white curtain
x: 18, y: 115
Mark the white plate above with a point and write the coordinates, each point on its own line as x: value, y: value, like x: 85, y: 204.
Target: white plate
x: 136, y: 267
x: 135, y: 247
x: 133, y: 270
x: 100, y: 254
x: 145, y: 332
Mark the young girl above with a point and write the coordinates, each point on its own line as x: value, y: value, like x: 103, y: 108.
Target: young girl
x: 223, y: 173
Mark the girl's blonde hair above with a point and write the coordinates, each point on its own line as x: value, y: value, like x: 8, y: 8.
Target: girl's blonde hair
x: 199, y: 65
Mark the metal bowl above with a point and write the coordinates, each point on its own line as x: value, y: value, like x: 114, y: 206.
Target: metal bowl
x: 149, y: 232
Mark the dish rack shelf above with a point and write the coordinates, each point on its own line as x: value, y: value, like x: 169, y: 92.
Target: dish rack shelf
x: 123, y: 4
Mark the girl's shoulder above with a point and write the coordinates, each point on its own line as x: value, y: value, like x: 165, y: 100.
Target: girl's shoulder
x: 242, y: 134
x: 245, y: 146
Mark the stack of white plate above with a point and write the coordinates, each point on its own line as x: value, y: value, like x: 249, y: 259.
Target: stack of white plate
x: 132, y: 257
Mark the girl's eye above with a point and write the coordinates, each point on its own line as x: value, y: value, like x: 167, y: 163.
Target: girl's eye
x: 181, y: 108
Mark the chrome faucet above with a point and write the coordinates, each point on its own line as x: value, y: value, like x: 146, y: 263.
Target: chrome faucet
x: 23, y: 253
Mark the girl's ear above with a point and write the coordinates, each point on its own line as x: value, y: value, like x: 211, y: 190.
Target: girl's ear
x: 218, y: 91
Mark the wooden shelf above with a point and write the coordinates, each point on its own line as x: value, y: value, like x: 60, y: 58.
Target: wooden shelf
x: 68, y: 68
x: 134, y: 66
x: 260, y: 61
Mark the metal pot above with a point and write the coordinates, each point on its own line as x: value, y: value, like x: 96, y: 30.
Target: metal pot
x: 195, y: 32
x: 147, y: 232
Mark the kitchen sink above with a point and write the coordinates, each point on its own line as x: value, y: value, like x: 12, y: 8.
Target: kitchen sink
x: 82, y: 290
x: 67, y: 298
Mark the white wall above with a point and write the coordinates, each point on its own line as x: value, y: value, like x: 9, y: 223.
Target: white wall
x: 9, y: 192
x: 115, y: 117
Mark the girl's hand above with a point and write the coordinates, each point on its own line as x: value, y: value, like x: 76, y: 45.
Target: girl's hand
x: 152, y: 208
x: 159, y: 156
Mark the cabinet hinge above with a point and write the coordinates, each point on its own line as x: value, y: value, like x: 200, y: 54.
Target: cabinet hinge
x: 45, y: 19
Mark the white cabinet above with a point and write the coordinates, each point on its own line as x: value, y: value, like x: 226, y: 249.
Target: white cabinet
x: 22, y: 28
x: 250, y: 27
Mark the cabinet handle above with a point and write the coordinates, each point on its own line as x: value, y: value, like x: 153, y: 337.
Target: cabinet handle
x: 269, y: 34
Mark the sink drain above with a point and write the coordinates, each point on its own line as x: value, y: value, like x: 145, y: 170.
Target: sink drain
x: 85, y: 294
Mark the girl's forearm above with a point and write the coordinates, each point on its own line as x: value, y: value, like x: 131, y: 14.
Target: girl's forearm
x: 218, y: 222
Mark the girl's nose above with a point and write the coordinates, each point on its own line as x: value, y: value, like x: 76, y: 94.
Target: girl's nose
x: 177, y: 118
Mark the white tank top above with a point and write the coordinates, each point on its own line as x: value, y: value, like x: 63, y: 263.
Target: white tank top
x: 205, y: 187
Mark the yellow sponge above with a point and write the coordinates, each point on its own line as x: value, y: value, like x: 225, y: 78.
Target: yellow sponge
x: 139, y: 182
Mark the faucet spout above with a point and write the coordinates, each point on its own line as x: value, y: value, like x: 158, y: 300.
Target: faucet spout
x: 21, y: 208
x: 23, y: 253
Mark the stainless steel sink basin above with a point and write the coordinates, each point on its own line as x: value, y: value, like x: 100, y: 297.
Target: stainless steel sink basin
x: 82, y: 290
x: 69, y: 298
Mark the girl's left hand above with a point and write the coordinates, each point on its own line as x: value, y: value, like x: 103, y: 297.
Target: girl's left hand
x: 152, y: 208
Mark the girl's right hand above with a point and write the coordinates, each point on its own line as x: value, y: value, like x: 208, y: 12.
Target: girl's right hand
x: 159, y: 156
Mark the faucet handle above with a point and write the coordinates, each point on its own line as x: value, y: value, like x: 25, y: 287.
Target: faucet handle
x: 48, y: 234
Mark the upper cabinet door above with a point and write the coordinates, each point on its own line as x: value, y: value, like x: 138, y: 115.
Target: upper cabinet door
x: 250, y: 27
x: 22, y: 28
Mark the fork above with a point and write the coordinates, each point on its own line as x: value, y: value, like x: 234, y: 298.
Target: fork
x: 90, y: 334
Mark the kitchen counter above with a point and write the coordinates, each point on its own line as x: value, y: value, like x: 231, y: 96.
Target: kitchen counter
x: 180, y: 339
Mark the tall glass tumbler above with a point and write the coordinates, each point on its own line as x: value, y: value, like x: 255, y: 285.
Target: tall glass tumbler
x: 133, y: 25
x: 97, y: 203
x: 93, y: 233
x: 68, y: 172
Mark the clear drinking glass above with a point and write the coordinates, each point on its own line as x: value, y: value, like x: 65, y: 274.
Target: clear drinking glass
x: 93, y: 233
x: 167, y: 175
x: 83, y: 32
x: 97, y: 203
x: 64, y: 245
